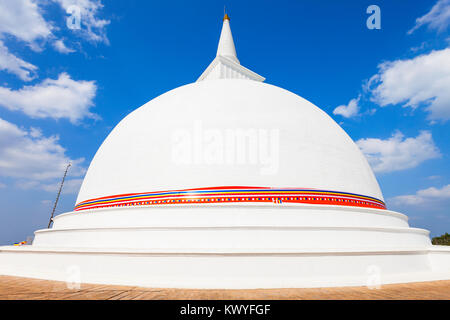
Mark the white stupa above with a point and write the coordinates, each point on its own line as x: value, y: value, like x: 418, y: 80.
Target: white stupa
x: 229, y: 182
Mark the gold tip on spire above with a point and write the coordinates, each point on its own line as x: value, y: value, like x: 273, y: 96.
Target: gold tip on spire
x: 226, y: 17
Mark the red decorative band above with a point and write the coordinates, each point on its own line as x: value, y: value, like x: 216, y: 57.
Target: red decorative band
x: 217, y: 195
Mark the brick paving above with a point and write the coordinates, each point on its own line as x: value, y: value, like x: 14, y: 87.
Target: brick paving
x: 15, y: 288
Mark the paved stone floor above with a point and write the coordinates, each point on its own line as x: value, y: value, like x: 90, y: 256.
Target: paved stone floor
x: 25, y: 288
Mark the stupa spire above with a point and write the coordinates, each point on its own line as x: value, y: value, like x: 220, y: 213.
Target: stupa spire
x: 226, y: 46
x: 226, y: 64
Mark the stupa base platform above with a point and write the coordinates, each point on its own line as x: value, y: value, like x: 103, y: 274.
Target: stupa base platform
x: 228, y: 269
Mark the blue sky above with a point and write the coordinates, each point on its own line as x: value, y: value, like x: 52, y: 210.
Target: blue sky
x: 62, y: 90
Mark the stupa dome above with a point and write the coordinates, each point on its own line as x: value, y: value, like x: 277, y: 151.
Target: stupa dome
x: 189, y: 138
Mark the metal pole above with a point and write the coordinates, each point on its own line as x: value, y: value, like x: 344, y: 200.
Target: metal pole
x: 57, y: 197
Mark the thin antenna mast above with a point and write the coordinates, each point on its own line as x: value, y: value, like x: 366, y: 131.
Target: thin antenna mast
x: 57, y: 197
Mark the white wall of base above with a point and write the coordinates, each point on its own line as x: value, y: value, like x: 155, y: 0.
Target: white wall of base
x: 227, y: 270
x: 440, y: 258
x: 248, y: 238
x: 226, y: 246
x: 220, y: 215
x: 247, y: 227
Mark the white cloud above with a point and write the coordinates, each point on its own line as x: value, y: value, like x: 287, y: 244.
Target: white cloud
x: 15, y: 65
x: 424, y: 79
x: 60, y: 98
x: 424, y: 196
x: 397, y: 152
x: 71, y: 186
x: 92, y: 27
x: 2, y: 185
x: 349, y: 110
x: 23, y: 20
x: 33, y: 160
x: 419, y: 48
x: 438, y: 18
x: 61, y: 47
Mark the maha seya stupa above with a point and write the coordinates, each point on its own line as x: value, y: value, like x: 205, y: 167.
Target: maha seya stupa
x: 229, y: 182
